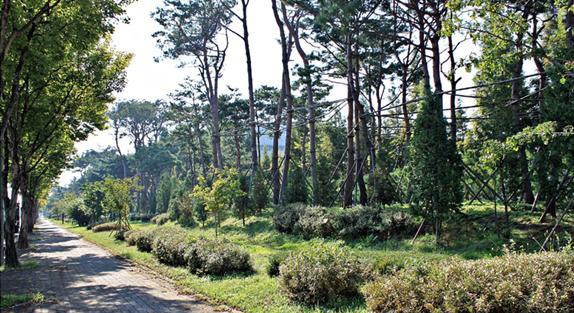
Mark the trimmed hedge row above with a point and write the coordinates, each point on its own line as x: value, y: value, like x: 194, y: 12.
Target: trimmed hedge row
x: 511, y: 283
x: 105, y: 227
x: 322, y: 273
x: 171, y: 245
x: 217, y: 257
x: 160, y: 219
x: 359, y: 221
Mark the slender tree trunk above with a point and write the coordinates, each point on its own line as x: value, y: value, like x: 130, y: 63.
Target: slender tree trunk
x: 25, y: 214
x: 285, y: 52
x: 237, y: 148
x: 310, y: 105
x: 288, y: 132
x: 252, y: 124
x: 361, y: 134
x: 216, y: 133
x: 2, y: 189
x: 202, y: 159
x: 350, y: 179
x: 405, y: 109
x: 275, y: 149
x: 422, y: 49
x: 122, y: 158
x: 435, y: 39
x: 453, y: 82
x: 527, y: 194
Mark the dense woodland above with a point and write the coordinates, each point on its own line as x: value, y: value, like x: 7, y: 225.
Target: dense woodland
x: 407, y: 134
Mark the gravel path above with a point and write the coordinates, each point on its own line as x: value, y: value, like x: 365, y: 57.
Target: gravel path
x: 78, y: 276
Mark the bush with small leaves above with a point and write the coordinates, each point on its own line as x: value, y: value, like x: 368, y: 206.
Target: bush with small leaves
x: 512, y: 283
x: 120, y: 235
x: 160, y: 219
x: 315, y: 222
x: 217, y: 257
x: 105, y: 227
x: 144, y: 239
x: 131, y: 236
x: 169, y: 245
x: 275, y: 262
x: 384, y: 223
x: 322, y: 273
x: 286, y: 218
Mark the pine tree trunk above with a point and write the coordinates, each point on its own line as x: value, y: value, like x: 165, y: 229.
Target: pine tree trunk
x: 285, y: 52
x: 527, y: 194
x: 275, y: 150
x: 252, y: 124
x: 310, y: 106
x: 453, y: 82
x: 350, y: 179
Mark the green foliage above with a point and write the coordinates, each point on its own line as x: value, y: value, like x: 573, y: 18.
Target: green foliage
x: 297, y: 191
x: 165, y: 192
x: 435, y: 168
x: 72, y: 206
x: 242, y: 202
x: 111, y: 226
x: 315, y: 222
x: 348, y: 223
x: 144, y: 238
x: 260, y: 190
x: 220, y: 195
x: 217, y: 257
x: 130, y: 237
x: 9, y: 300
x: 169, y: 245
x: 93, y: 197
x: 160, y: 219
x: 118, y: 199
x: 511, y: 283
x: 120, y: 234
x: 186, y: 205
x: 275, y: 262
x: 322, y: 273
x: 327, y: 184
x: 378, y: 221
x: 286, y: 218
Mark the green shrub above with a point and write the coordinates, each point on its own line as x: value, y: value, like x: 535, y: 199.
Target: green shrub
x: 105, y: 227
x: 259, y: 191
x: 169, y: 245
x: 131, y: 236
x: 144, y: 239
x: 275, y: 262
x: 286, y: 218
x: 79, y: 213
x: 217, y: 257
x: 120, y: 235
x: 186, y: 217
x: 511, y: 283
x: 160, y: 219
x: 315, y: 222
x: 360, y: 221
x: 322, y: 273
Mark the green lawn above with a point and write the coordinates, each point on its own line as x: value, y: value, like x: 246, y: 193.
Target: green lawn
x: 9, y: 299
x: 477, y: 235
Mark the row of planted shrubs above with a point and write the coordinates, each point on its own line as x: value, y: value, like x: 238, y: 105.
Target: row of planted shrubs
x: 325, y: 273
x: 358, y: 221
x: 511, y: 283
x: 172, y: 246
